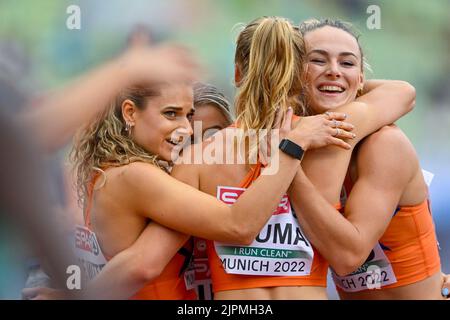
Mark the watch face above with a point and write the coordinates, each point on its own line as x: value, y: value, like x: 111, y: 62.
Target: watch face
x: 291, y: 148
x: 284, y: 143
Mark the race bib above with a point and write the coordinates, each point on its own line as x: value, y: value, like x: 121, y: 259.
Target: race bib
x: 280, y: 249
x: 88, y: 252
x: 375, y: 273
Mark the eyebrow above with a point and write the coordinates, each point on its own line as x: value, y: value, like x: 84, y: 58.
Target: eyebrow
x: 325, y: 53
x: 177, y: 108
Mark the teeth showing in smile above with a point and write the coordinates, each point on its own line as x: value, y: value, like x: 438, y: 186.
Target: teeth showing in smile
x: 331, y: 89
x: 174, y: 142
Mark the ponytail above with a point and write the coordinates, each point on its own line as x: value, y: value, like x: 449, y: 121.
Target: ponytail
x: 270, y: 56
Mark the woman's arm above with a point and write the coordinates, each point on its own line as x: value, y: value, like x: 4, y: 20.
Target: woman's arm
x: 128, y: 271
x: 26, y: 202
x: 131, y: 269
x: 325, y: 170
x: 176, y: 205
x: 385, y: 165
x: 56, y: 118
x: 183, y: 208
x: 385, y: 103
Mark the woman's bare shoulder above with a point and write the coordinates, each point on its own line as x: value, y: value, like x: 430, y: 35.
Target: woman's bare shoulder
x: 135, y: 174
x: 389, y: 147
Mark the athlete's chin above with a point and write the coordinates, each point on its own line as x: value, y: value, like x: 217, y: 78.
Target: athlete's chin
x: 170, y: 154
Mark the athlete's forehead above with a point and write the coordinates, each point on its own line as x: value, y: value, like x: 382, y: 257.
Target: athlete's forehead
x: 331, y: 40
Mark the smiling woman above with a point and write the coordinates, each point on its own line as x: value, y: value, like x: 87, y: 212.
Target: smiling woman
x: 335, y: 66
x: 385, y: 238
x: 168, y: 113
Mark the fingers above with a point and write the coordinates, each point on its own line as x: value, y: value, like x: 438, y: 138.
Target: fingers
x: 344, y: 125
x: 185, y: 57
x: 341, y: 125
x: 277, y: 120
x: 173, y: 47
x: 335, y: 115
x: 178, y: 59
x: 340, y: 143
x: 341, y: 134
x: 165, y: 63
x: 287, y: 122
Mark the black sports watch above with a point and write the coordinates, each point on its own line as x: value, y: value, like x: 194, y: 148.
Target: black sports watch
x: 292, y: 149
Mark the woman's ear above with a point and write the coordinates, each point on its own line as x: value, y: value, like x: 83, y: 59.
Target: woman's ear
x: 129, y: 111
x: 362, y: 78
x: 237, y: 75
x: 360, y: 90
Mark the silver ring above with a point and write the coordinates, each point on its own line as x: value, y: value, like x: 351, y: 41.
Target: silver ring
x: 338, y: 132
x: 335, y: 125
x: 328, y: 114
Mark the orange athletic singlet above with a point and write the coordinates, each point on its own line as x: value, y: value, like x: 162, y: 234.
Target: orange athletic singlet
x: 279, y: 256
x: 406, y: 253
x: 169, y: 285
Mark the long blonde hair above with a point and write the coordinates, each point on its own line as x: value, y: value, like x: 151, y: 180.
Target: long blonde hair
x: 106, y: 143
x: 270, y: 55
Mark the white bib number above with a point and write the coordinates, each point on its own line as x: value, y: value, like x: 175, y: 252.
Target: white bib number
x: 375, y: 273
x: 280, y: 249
x: 88, y: 252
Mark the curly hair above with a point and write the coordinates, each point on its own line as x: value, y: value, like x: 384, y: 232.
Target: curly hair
x: 105, y: 142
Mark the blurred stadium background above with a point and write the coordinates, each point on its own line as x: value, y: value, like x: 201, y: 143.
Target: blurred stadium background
x: 38, y: 53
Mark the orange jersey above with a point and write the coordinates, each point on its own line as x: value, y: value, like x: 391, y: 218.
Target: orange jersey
x: 406, y: 253
x: 257, y: 272
x: 170, y: 284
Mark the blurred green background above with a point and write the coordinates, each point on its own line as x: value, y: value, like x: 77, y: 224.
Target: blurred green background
x: 412, y: 44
